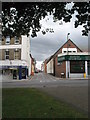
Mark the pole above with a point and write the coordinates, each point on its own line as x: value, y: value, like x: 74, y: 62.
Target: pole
x: 67, y: 55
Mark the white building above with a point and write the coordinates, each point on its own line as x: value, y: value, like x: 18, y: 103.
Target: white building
x: 50, y: 64
x: 15, y: 56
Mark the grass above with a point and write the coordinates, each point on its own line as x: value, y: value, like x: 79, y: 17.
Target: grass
x: 31, y: 103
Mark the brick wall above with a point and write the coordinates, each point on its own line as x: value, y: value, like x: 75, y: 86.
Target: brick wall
x: 62, y: 68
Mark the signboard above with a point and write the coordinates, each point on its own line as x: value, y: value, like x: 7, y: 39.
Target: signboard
x: 8, y: 67
x: 73, y: 57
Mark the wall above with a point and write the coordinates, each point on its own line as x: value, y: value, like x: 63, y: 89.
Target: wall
x: 62, y: 68
x: 50, y: 67
x: 24, y: 53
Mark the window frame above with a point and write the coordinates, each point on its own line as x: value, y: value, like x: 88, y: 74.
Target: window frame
x: 6, y: 55
x: 7, y: 43
x: 77, y: 67
x: 16, y: 39
x: 16, y: 50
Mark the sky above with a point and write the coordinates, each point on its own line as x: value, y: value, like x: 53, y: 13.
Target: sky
x: 44, y: 46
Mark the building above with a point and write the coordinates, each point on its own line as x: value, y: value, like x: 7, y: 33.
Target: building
x: 33, y: 65
x: 15, y: 56
x: 45, y: 65
x: 50, y: 65
x: 69, y: 61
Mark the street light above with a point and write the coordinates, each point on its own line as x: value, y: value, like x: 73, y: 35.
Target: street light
x: 67, y: 55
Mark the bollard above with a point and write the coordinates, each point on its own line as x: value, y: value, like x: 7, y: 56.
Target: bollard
x: 84, y: 75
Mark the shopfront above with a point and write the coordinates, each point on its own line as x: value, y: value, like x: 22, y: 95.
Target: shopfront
x: 15, y: 72
x: 76, y: 64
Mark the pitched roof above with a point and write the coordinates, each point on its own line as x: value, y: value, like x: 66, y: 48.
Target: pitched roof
x: 66, y: 43
x: 48, y: 59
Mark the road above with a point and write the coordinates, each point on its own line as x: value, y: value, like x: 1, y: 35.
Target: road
x: 72, y: 91
x: 42, y: 80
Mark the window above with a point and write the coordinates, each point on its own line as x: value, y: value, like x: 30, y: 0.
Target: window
x: 7, y: 40
x: 64, y: 51
x: 0, y: 39
x: 7, y: 54
x: 69, y: 51
x: 16, y: 40
x: 77, y: 66
x: 59, y: 63
x: 16, y: 55
x: 74, y: 51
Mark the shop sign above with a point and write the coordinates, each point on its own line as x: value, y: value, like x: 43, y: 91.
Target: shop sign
x: 74, y: 57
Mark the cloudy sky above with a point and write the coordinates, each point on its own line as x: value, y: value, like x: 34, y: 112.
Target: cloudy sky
x: 44, y: 46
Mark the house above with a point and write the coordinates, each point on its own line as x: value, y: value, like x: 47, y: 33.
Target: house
x: 45, y: 65
x: 69, y: 61
x: 15, y: 56
x: 50, y: 65
x: 33, y: 65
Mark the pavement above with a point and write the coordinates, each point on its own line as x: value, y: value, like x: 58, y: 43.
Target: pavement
x: 71, y: 91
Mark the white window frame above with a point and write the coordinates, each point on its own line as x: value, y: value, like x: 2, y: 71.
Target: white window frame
x: 15, y: 40
x: 8, y: 37
x: 6, y: 55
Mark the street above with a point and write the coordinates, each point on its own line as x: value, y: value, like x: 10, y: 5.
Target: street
x: 42, y: 80
x: 72, y: 91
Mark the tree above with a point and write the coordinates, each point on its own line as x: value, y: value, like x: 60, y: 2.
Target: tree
x: 19, y: 18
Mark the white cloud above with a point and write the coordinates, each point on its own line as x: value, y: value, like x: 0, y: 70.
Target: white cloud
x: 45, y: 45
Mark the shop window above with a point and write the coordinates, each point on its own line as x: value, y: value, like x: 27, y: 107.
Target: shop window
x: 16, y: 54
x: 0, y: 39
x: 88, y: 65
x: 7, y: 40
x: 16, y: 40
x: 77, y: 66
x: 7, y: 54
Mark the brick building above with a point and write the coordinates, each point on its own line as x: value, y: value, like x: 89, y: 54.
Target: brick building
x: 69, y: 61
x: 15, y: 56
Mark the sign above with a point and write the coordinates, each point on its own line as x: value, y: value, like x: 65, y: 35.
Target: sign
x: 73, y: 57
x: 9, y: 67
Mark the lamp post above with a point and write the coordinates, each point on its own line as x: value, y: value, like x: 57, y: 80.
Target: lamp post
x: 67, y: 55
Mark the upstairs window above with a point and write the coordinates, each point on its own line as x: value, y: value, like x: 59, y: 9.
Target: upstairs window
x: 16, y: 40
x: 74, y: 51
x: 7, y: 40
x: 65, y: 51
x: 69, y: 51
x: 16, y: 54
x: 7, y: 54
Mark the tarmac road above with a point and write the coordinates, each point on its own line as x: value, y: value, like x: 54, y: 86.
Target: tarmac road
x: 72, y: 91
x: 41, y: 79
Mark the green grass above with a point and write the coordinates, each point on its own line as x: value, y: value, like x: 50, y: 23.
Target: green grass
x: 31, y: 103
